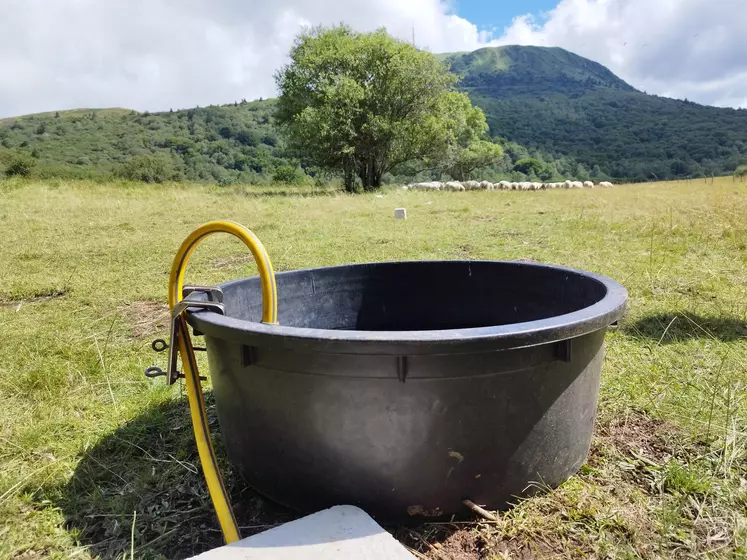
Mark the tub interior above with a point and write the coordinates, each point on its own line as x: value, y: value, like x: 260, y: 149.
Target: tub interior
x: 417, y: 296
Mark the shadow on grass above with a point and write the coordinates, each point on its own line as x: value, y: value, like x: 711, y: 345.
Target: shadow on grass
x: 150, y: 466
x: 678, y: 327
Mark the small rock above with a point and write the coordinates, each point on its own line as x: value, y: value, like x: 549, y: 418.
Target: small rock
x: 400, y: 213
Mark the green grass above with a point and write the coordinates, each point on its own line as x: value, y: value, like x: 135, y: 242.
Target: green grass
x: 97, y: 461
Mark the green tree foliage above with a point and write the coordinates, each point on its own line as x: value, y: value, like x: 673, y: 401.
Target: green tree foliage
x: 741, y: 172
x: 287, y: 174
x: 362, y: 104
x: 476, y: 155
x: 146, y: 168
x: 462, y: 149
x: 19, y: 164
x: 529, y: 166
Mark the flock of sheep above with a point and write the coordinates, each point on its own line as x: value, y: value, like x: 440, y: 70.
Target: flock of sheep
x: 503, y: 185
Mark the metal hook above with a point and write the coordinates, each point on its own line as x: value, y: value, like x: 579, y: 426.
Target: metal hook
x: 215, y: 297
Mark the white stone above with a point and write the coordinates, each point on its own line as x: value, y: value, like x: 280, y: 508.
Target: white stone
x: 400, y: 213
x: 338, y: 533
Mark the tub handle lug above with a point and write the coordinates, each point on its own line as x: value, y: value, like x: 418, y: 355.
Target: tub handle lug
x: 402, y: 368
x: 564, y: 350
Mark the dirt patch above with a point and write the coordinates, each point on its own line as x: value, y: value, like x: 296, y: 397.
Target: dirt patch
x: 146, y: 318
x: 38, y: 296
x: 463, y: 251
x: 462, y: 545
x: 483, y: 218
x: 31, y: 554
x: 445, y: 541
x: 635, y: 436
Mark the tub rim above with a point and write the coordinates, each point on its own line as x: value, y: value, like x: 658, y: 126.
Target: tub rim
x: 474, y: 339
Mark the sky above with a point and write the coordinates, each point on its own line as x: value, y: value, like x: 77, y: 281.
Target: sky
x: 161, y: 54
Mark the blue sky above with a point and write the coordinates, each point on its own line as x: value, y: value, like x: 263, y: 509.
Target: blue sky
x: 489, y: 14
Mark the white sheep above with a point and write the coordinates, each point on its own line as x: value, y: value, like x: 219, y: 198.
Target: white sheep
x: 487, y: 185
x: 470, y: 185
x: 453, y: 186
x: 537, y: 186
x: 577, y: 185
x: 427, y: 186
x: 504, y: 185
x: 588, y: 184
x: 605, y: 184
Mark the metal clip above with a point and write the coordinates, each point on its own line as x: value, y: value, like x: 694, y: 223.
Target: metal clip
x: 214, y: 293
x: 159, y: 345
x: 214, y: 303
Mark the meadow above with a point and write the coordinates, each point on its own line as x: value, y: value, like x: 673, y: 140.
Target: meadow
x: 96, y: 461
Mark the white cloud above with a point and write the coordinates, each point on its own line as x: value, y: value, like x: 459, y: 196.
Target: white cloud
x: 695, y: 49
x: 156, y: 54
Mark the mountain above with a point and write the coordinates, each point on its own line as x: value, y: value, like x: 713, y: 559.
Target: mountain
x: 552, y: 100
x: 573, y: 115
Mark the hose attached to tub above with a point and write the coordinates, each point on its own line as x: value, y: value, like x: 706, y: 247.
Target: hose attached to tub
x: 216, y: 488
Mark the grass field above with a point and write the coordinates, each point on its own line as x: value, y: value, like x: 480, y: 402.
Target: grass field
x: 97, y: 461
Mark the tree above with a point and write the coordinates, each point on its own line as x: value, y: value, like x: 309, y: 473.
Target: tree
x: 19, y: 164
x: 741, y: 172
x: 529, y: 166
x: 361, y: 104
x: 287, y: 174
x: 477, y: 154
x: 149, y: 169
x: 460, y: 146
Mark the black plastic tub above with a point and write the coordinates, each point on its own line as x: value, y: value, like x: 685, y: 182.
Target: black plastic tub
x: 405, y: 388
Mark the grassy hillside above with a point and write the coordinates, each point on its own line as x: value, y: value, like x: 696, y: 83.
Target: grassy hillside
x: 96, y: 460
x: 563, y: 104
x: 574, y: 115
x: 235, y: 143
x: 231, y: 143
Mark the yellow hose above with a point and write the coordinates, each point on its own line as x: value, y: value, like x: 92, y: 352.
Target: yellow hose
x: 216, y: 488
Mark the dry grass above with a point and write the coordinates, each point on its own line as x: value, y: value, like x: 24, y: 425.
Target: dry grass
x: 86, y: 441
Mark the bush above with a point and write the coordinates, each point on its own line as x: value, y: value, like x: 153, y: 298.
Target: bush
x: 287, y: 174
x: 149, y: 169
x: 529, y: 166
x: 20, y: 164
x: 741, y: 172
